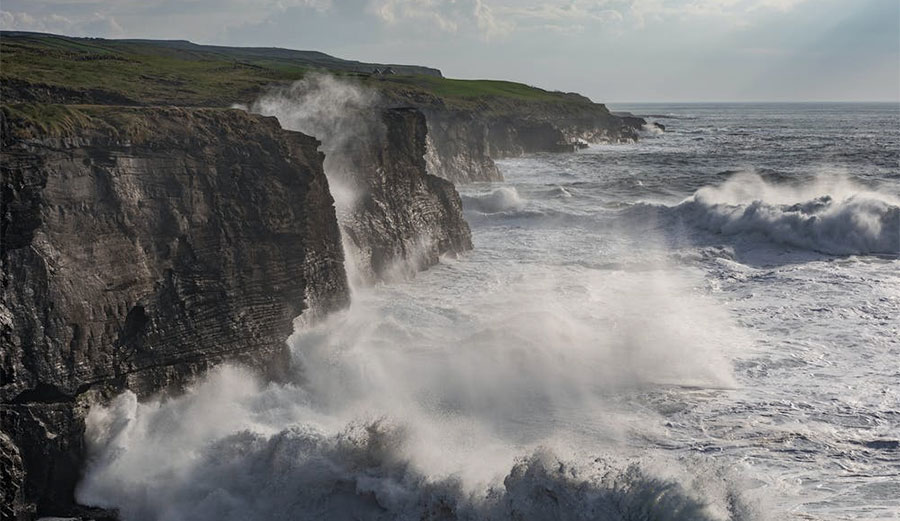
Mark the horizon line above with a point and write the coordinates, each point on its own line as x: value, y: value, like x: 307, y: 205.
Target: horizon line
x: 746, y: 102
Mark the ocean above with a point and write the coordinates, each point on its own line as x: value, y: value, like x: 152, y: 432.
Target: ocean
x: 703, y: 325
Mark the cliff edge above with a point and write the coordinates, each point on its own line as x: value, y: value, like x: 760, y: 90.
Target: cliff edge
x: 404, y: 218
x: 140, y: 247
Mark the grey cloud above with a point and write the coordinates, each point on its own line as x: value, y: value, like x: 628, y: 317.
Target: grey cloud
x: 607, y: 49
x: 96, y: 24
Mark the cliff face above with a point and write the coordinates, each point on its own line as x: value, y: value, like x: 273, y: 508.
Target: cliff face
x: 141, y: 246
x: 463, y: 144
x: 459, y: 147
x: 395, y: 217
x: 403, y: 218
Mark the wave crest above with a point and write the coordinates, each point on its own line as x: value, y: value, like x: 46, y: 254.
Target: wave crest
x: 362, y: 472
x: 832, y: 216
x: 858, y: 225
x: 503, y: 199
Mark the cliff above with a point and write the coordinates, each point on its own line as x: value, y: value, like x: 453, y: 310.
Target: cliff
x: 141, y: 246
x: 471, y: 123
x: 463, y: 144
x: 396, y: 219
x: 403, y: 219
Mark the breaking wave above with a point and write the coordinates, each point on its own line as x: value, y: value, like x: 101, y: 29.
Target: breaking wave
x: 361, y: 471
x: 450, y: 406
x: 832, y: 216
x: 503, y: 199
x: 651, y: 129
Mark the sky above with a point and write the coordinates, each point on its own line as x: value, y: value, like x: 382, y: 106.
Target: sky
x: 610, y: 50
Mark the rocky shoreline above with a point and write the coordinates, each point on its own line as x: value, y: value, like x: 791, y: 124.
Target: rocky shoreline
x: 143, y: 245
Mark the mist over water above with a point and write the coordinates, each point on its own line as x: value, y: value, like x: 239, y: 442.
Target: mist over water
x: 474, y: 398
x: 680, y: 329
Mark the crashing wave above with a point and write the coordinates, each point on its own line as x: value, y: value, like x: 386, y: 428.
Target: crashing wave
x: 503, y: 199
x: 832, y: 216
x: 652, y: 129
x: 856, y: 225
x: 361, y: 472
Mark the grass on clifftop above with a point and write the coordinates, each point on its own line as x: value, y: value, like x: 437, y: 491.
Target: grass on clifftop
x: 159, y: 72
x: 142, y: 73
x: 450, y: 88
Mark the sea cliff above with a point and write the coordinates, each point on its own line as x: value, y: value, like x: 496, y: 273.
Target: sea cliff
x: 405, y: 218
x: 149, y: 232
x: 473, y: 123
x: 140, y: 247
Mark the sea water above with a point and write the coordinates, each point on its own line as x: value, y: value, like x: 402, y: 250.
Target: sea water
x: 703, y: 325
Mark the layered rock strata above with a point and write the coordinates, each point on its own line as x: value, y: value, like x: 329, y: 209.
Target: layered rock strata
x: 141, y: 246
x: 463, y: 144
x: 402, y: 218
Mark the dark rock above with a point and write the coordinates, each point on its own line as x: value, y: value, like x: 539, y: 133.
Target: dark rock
x: 459, y: 147
x: 463, y: 145
x: 141, y: 246
x: 12, y: 481
x: 405, y: 218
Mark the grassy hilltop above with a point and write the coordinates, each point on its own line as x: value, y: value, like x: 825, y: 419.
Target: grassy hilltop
x: 51, y: 69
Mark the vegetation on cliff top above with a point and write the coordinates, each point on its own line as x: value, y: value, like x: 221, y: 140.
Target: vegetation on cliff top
x: 49, y: 68
x: 135, y: 125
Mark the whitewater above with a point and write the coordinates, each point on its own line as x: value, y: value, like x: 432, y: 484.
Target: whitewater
x: 702, y: 325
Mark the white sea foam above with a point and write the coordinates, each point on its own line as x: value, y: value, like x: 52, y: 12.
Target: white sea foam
x: 651, y: 129
x: 831, y: 215
x: 362, y: 471
x: 490, y: 403
x: 503, y: 199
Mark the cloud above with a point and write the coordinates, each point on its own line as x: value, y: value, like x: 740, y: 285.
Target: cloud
x: 96, y: 24
x: 580, y: 11
x: 778, y: 5
x: 449, y: 16
x: 484, y: 20
x: 488, y: 24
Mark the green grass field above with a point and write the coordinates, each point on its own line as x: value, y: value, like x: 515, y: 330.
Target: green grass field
x: 181, y: 73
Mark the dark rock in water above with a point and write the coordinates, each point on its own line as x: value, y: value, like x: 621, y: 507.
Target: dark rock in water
x: 633, y: 121
x: 405, y: 218
x: 140, y: 247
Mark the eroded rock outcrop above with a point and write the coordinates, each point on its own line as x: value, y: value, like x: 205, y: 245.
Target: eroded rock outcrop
x: 141, y: 246
x: 459, y: 147
x: 403, y: 219
x: 463, y: 143
x: 396, y: 218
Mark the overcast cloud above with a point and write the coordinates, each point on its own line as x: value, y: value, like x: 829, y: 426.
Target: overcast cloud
x: 611, y: 50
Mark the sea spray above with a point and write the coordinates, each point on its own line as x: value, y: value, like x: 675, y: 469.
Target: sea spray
x: 395, y: 219
x: 469, y: 403
x: 340, y: 114
x: 337, y: 112
x: 502, y: 199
